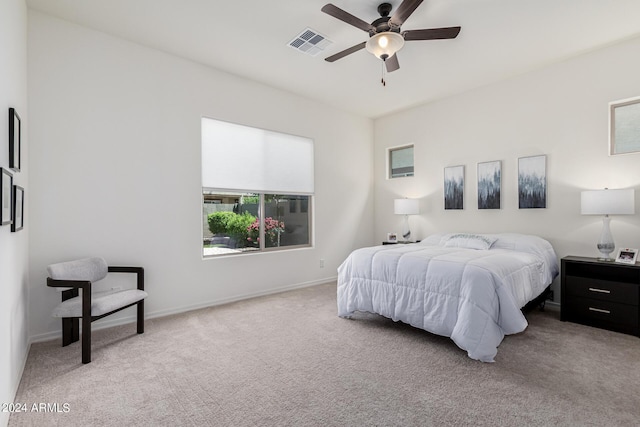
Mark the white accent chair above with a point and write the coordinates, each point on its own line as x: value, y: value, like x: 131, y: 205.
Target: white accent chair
x: 80, y: 274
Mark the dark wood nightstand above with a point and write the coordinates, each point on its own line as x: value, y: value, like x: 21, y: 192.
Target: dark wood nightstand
x: 601, y: 294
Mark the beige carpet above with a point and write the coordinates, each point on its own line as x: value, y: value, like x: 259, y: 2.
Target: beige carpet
x: 288, y: 360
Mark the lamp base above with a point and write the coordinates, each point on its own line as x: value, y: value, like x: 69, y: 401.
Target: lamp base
x: 406, y: 233
x: 606, y: 244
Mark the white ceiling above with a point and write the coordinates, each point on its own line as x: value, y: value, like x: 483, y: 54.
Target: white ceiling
x: 249, y: 38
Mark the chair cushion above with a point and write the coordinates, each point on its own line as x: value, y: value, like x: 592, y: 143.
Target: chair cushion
x: 101, y: 303
x: 91, y: 269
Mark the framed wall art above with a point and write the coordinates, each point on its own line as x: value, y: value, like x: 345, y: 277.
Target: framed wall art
x: 624, y: 126
x: 489, y: 184
x: 532, y: 182
x: 14, y: 140
x: 17, y: 213
x: 6, y: 193
x: 454, y: 187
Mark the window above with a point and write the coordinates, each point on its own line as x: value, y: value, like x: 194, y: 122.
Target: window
x: 401, y: 161
x: 257, y: 189
x: 624, y: 126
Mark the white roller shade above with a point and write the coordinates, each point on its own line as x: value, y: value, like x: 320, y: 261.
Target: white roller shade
x: 236, y: 157
x: 401, y: 162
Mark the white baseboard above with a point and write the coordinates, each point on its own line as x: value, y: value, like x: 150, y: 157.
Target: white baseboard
x: 169, y: 312
x: 48, y: 336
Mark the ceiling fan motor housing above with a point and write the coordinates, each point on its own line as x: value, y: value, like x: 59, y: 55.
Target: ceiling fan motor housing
x: 383, y: 24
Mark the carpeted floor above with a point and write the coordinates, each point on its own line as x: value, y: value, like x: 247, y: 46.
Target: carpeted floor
x: 288, y: 360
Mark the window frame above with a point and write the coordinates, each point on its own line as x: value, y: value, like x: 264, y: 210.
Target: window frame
x: 616, y: 107
x: 389, y: 161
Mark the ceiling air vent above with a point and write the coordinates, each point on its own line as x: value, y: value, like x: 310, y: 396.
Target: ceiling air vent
x: 310, y: 42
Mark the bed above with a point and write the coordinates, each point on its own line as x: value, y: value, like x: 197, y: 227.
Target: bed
x: 469, y: 287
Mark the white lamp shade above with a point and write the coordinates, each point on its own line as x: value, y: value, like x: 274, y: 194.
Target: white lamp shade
x: 607, y: 202
x: 405, y: 206
x: 386, y: 43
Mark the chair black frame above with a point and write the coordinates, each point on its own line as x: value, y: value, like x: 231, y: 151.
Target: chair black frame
x: 71, y: 325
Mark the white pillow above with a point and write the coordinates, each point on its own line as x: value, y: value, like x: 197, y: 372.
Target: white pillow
x: 470, y: 241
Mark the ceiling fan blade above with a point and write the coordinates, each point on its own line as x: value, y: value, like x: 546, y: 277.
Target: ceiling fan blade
x: 392, y: 63
x: 340, y: 14
x: 432, y: 34
x: 406, y: 8
x: 346, y: 52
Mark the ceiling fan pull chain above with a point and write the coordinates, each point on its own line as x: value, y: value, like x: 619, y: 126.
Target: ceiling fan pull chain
x: 384, y: 83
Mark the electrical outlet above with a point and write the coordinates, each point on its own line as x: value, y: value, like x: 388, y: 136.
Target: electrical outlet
x: 321, y: 263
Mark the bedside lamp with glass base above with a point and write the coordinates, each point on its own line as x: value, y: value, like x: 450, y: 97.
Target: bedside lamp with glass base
x: 607, y: 202
x: 406, y: 207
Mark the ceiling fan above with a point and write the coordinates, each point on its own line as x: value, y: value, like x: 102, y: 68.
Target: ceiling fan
x: 385, y: 36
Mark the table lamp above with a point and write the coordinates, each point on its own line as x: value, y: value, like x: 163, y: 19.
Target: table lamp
x: 406, y: 207
x: 607, y: 202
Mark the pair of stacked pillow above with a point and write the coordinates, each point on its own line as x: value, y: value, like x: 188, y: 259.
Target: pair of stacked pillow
x: 470, y: 241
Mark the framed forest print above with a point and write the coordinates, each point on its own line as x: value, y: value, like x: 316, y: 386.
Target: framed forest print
x: 489, y: 184
x: 532, y: 182
x: 454, y: 187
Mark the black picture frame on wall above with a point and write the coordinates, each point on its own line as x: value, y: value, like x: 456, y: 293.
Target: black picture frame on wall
x: 489, y: 184
x: 14, y: 140
x: 532, y: 182
x: 454, y: 187
x: 6, y: 197
x: 17, y: 213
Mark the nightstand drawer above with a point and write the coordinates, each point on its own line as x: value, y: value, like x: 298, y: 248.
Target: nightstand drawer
x: 615, y: 316
x: 602, y: 290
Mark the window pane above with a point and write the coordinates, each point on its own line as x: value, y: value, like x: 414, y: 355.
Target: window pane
x: 286, y: 220
x: 228, y: 221
x: 401, y: 162
x: 625, y: 127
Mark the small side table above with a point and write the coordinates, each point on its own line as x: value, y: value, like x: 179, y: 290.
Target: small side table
x: 601, y: 294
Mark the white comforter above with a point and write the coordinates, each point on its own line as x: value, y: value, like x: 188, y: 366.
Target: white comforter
x: 473, y: 296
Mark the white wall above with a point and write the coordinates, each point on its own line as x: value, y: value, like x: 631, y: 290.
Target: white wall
x: 115, y: 134
x: 560, y: 111
x: 13, y: 246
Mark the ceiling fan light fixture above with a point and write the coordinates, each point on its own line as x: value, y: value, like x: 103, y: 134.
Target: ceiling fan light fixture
x: 384, y: 45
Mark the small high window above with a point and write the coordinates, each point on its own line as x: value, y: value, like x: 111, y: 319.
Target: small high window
x: 401, y: 161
